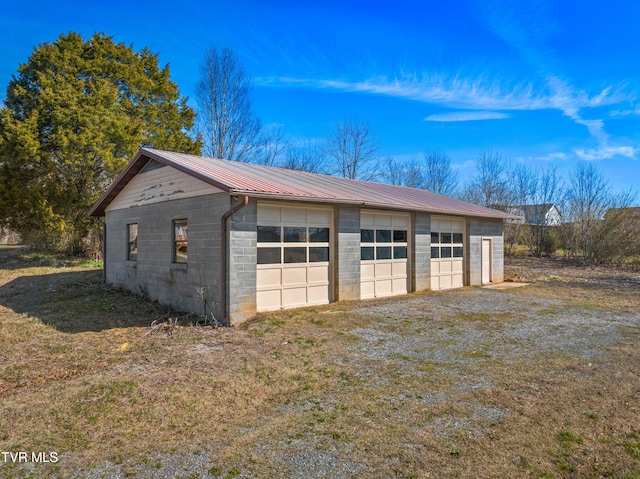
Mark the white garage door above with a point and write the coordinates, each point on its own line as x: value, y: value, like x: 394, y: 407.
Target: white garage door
x: 447, y: 253
x: 383, y: 254
x: 293, y: 257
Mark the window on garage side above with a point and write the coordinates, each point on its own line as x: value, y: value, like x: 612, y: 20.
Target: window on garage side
x: 132, y: 241
x: 180, y: 241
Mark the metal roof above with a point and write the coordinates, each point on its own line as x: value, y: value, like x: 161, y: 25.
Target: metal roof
x: 256, y: 181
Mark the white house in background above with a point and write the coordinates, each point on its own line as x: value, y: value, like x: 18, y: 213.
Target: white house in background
x: 237, y: 238
x: 542, y: 215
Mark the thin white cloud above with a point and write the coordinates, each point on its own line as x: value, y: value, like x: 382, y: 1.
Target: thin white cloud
x: 635, y: 111
x: 548, y: 157
x: 469, y: 164
x: 606, y: 152
x: 483, y: 97
x: 452, y: 92
x: 467, y: 116
x: 569, y: 100
x: 465, y: 94
x: 525, y: 28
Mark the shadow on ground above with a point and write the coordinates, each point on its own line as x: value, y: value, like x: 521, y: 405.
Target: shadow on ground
x: 75, y: 302
x: 13, y: 257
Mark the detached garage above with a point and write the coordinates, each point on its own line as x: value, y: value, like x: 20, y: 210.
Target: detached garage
x: 235, y: 239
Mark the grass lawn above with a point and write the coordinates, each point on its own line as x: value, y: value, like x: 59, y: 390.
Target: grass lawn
x: 541, y: 381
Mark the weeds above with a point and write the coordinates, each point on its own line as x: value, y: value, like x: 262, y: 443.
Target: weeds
x: 167, y: 327
x: 631, y: 445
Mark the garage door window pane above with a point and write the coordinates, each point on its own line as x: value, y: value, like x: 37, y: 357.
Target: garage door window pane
x: 435, y: 252
x: 268, y: 255
x: 366, y: 253
x: 295, y: 255
x: 383, y: 252
x: 399, y: 236
x: 383, y: 236
x: 399, y: 252
x: 268, y: 234
x: 457, y: 252
x: 446, y: 238
x: 295, y: 234
x: 319, y: 235
x: 445, y: 252
x: 457, y: 237
x: 435, y: 238
x: 366, y: 236
x: 318, y: 254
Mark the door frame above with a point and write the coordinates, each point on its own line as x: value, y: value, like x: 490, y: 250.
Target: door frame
x: 482, y: 271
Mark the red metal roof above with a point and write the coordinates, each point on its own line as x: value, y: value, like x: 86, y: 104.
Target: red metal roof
x: 278, y: 183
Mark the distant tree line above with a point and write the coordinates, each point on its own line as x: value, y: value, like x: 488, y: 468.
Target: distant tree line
x: 596, y: 224
x: 78, y: 110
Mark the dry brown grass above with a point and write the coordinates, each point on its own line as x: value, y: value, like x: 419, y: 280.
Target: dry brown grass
x: 430, y: 385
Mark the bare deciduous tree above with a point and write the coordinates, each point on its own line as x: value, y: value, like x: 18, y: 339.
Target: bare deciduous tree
x: 306, y: 157
x: 490, y: 186
x: 227, y: 123
x: 404, y: 173
x: 522, y: 183
x: 599, y: 229
x: 438, y: 175
x: 537, y: 189
x: 354, y: 152
x: 272, y: 145
x: 587, y: 202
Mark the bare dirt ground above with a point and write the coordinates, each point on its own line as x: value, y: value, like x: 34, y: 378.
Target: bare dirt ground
x: 539, y: 381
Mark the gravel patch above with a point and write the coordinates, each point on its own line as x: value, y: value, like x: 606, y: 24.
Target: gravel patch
x: 509, y: 327
x: 307, y: 457
x: 157, y: 466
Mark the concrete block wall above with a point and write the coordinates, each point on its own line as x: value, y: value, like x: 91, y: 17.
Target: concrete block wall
x: 153, y: 272
x: 422, y: 252
x: 242, y: 261
x: 478, y: 229
x: 346, y: 257
x: 175, y: 284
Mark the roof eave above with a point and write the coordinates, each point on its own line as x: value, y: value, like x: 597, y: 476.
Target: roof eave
x: 493, y: 214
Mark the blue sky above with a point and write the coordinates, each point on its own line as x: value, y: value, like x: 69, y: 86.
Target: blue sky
x: 538, y: 81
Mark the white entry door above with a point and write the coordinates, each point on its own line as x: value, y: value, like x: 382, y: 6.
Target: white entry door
x: 447, y: 253
x: 383, y: 254
x: 486, y: 260
x: 292, y: 256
